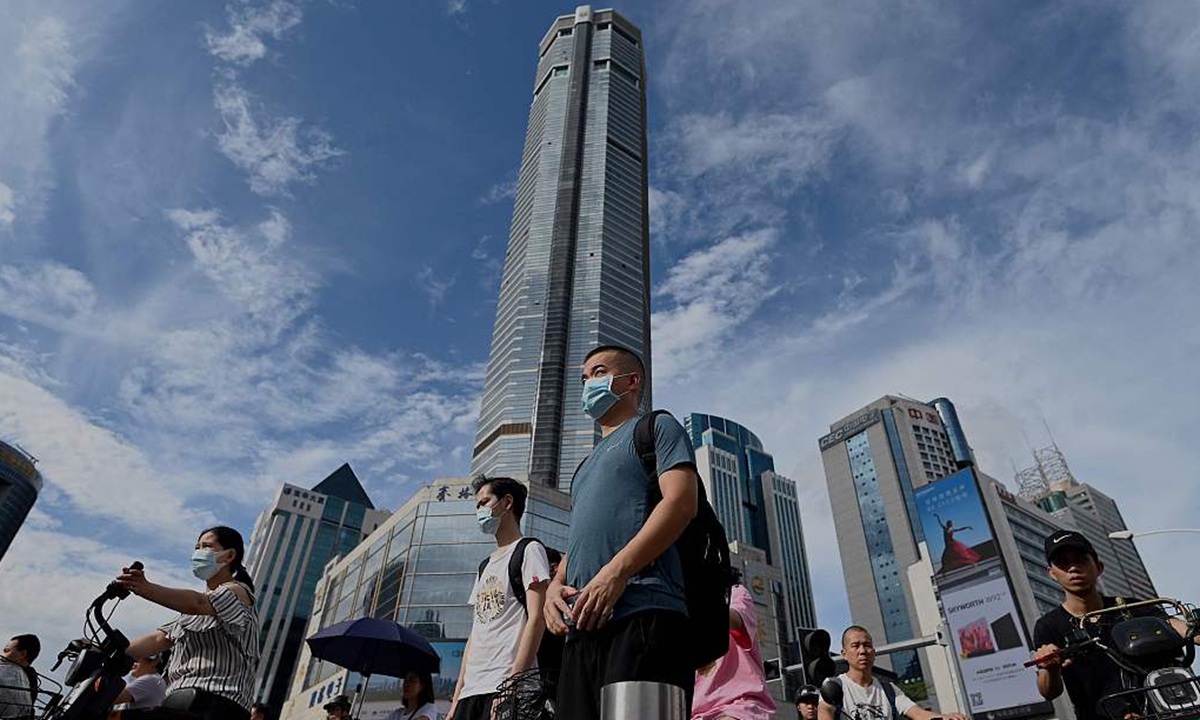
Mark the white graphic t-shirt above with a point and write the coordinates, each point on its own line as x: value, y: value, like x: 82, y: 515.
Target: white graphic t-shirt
x: 498, y: 618
x: 870, y: 703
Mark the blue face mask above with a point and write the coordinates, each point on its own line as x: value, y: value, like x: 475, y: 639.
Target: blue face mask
x: 488, y: 523
x: 598, y: 397
x: 204, y: 563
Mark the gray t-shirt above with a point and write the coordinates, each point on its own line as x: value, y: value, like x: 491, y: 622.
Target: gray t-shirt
x: 16, y: 701
x: 610, y: 503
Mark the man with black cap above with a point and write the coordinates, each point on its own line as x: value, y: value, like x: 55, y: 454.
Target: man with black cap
x: 338, y: 708
x: 806, y: 702
x: 1087, y: 679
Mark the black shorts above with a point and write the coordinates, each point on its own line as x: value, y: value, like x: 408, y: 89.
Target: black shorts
x: 475, y: 707
x: 644, y: 646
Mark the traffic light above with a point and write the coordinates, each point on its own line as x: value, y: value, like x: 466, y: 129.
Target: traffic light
x: 814, y: 653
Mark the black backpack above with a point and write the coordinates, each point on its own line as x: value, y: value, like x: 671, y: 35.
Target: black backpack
x: 549, y: 653
x: 704, y: 554
x: 516, y: 562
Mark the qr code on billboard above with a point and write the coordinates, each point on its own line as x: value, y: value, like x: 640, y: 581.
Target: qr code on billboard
x: 976, y: 699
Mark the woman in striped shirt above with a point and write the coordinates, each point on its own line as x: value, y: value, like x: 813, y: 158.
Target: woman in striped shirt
x: 214, y: 640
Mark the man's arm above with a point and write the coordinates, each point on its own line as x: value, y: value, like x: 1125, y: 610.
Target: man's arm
x: 666, y: 523
x: 531, y: 634
x: 825, y: 711
x: 462, y: 669
x: 1050, y: 672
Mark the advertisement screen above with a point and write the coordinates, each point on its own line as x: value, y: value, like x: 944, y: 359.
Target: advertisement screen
x: 989, y: 638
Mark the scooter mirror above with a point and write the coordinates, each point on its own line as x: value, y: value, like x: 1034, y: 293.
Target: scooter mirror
x: 831, y: 692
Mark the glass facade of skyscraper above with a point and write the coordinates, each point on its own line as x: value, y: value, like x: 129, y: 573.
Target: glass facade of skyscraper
x: 20, y: 483
x: 756, y: 507
x: 577, y: 271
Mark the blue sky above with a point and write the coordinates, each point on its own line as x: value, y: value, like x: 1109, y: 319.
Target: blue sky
x: 241, y: 244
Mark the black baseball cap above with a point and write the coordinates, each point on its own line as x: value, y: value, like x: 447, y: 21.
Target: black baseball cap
x: 808, y: 693
x: 1067, y: 539
x: 340, y: 701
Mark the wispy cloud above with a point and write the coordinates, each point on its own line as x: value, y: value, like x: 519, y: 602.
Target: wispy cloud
x: 499, y: 192
x: 7, y: 205
x: 242, y: 44
x: 46, y: 292
x: 251, y: 266
x: 277, y: 152
x: 433, y: 285
x: 456, y: 7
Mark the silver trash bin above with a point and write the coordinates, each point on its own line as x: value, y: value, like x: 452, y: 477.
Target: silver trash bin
x: 639, y: 700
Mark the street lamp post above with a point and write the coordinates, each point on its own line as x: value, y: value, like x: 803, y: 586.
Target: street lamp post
x: 1130, y: 534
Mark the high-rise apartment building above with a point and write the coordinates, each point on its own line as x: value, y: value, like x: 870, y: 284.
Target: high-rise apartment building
x: 20, y: 483
x: 874, y: 458
x: 293, y: 539
x: 757, y: 507
x: 577, y: 270
x: 1080, y: 506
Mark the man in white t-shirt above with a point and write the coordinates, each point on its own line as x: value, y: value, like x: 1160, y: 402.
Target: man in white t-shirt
x: 147, y: 689
x: 864, y: 696
x: 504, y: 634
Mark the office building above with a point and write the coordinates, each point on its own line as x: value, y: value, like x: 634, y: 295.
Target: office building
x: 20, y: 483
x: 1079, y: 506
x: 293, y: 539
x: 577, y: 270
x: 756, y: 506
x: 417, y: 568
x: 873, y: 459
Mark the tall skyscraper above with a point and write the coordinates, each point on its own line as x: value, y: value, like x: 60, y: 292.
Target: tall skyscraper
x: 757, y: 507
x: 873, y: 460
x: 1079, y: 506
x: 577, y: 270
x: 20, y: 483
x: 293, y: 539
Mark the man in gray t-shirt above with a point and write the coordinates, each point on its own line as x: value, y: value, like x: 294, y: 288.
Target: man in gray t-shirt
x: 621, y: 569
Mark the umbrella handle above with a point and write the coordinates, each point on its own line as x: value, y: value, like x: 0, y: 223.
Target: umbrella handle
x: 362, y: 695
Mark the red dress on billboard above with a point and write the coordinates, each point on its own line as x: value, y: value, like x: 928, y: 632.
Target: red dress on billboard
x: 957, y: 554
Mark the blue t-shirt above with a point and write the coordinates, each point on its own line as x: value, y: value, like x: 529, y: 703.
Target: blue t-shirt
x: 610, y: 504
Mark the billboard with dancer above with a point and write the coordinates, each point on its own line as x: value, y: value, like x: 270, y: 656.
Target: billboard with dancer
x: 985, y: 626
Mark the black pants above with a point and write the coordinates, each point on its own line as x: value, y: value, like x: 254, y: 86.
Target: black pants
x: 205, y: 704
x: 475, y: 707
x: 644, y: 646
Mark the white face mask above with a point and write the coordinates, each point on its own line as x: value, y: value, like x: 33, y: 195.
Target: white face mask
x: 204, y: 563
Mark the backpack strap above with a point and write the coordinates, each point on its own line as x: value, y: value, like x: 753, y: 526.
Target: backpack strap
x: 889, y: 691
x: 643, y: 445
x: 516, y: 566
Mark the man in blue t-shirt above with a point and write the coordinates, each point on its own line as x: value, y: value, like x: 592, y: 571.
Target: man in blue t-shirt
x: 621, y: 569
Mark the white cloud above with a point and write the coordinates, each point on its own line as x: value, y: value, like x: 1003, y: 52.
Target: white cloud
x: 276, y: 152
x: 456, y: 7
x: 998, y: 238
x: 499, y: 192
x: 7, y: 205
x: 248, y: 25
x: 94, y: 468
x: 433, y: 286
x: 251, y: 266
x: 712, y: 291
x: 47, y: 293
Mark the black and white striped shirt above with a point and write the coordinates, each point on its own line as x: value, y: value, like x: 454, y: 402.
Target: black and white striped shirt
x: 217, y: 653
